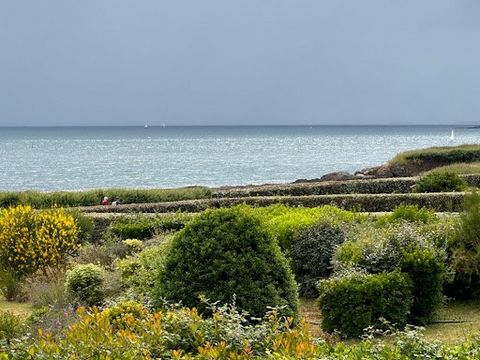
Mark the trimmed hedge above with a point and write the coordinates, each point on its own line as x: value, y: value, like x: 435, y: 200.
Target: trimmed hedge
x: 371, y: 186
x: 351, y: 303
x: 440, y: 202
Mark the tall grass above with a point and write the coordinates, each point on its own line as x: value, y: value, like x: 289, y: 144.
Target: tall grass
x: 459, y: 168
x: 446, y: 154
x: 93, y: 197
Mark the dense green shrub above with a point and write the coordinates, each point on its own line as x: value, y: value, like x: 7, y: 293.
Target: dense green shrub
x: 411, y: 213
x: 139, y: 272
x: 440, y: 182
x: 10, y: 285
x: 84, y: 283
x: 311, y: 253
x: 351, y: 303
x: 402, y: 248
x: 283, y: 221
x: 227, y: 254
x: 465, y: 251
x: 11, y: 325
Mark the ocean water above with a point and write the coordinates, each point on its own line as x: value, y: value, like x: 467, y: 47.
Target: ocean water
x: 156, y: 157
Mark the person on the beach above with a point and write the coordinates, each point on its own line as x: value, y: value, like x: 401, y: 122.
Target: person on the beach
x: 104, y: 201
x: 116, y: 201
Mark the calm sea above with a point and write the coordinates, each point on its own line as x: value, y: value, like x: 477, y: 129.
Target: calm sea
x: 137, y: 157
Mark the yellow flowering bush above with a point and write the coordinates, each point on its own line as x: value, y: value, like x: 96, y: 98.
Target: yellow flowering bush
x: 33, y: 240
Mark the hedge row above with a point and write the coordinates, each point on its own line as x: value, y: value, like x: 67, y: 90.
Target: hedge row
x: 372, y: 186
x: 142, y: 196
x: 93, y: 197
x: 440, y: 202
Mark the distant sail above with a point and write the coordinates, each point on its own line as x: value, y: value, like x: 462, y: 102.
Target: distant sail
x: 146, y: 126
x: 452, y: 135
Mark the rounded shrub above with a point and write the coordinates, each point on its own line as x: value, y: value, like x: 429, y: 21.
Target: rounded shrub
x: 351, y: 303
x: 399, y: 248
x: 410, y: 213
x: 84, y: 283
x: 440, y: 181
x: 311, y: 252
x: 226, y: 255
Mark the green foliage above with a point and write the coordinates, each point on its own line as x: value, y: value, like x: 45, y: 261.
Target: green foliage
x: 411, y: 213
x: 144, y: 227
x: 139, y: 272
x: 227, y: 254
x: 10, y: 284
x: 11, y: 325
x: 311, y: 253
x: 85, y: 226
x: 465, y: 250
x: 127, y: 314
x: 399, y: 247
x: 93, y: 197
x: 283, y: 221
x: 426, y: 268
x: 84, y: 283
x: 351, y: 303
x: 440, y: 182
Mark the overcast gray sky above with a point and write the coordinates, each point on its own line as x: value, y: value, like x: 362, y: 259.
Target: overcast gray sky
x: 208, y: 62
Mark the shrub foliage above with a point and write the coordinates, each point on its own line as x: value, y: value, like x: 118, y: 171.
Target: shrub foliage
x: 440, y: 181
x: 227, y: 254
x: 311, y: 252
x: 84, y: 284
x: 351, y: 303
x: 34, y: 240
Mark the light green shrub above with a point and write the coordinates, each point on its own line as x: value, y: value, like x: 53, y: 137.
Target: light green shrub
x: 84, y: 283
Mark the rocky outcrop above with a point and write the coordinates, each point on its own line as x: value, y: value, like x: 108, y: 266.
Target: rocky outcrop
x: 337, y: 176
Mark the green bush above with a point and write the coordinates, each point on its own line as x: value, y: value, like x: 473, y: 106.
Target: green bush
x: 440, y: 182
x: 85, y: 226
x: 11, y: 325
x: 465, y: 251
x: 311, y: 253
x: 10, y: 285
x: 139, y: 272
x: 84, y: 283
x: 351, y: 303
x: 404, y: 249
x: 227, y: 254
x: 411, y: 213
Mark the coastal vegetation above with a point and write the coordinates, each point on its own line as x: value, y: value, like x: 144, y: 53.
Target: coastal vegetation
x: 260, y: 272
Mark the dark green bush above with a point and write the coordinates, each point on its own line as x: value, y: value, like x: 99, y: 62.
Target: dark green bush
x: 351, y: 303
x: 227, y: 254
x: 84, y: 283
x: 402, y: 248
x: 311, y: 252
x: 440, y: 182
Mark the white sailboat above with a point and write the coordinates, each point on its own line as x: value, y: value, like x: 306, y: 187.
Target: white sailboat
x: 452, y: 135
x: 146, y: 126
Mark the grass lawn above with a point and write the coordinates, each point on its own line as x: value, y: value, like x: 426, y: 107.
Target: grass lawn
x: 466, y: 311
x: 17, y: 308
